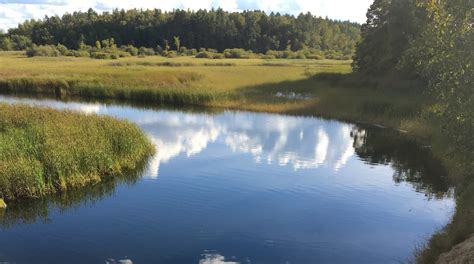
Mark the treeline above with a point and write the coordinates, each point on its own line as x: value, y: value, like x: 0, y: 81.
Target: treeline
x: 111, y: 51
x: 215, y: 29
x: 432, y: 41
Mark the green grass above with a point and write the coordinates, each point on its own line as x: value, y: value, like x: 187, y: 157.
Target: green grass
x: 44, y: 151
x: 251, y: 84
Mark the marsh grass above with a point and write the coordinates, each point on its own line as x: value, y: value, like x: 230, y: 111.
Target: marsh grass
x: 171, y: 64
x: 44, y: 151
x: 251, y: 84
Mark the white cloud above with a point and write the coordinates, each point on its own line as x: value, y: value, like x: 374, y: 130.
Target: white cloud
x: 13, y: 12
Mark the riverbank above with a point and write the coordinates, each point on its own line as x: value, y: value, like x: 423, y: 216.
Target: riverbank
x: 279, y: 86
x: 44, y: 151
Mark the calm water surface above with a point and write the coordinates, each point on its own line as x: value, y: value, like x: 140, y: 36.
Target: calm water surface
x: 239, y: 187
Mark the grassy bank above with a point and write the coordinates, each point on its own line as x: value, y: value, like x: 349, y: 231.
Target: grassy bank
x: 45, y: 151
x: 303, y: 86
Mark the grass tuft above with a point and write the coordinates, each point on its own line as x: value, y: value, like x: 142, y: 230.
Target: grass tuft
x: 44, y: 151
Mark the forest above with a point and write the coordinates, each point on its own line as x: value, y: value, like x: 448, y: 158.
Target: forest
x: 432, y: 42
x: 213, y: 29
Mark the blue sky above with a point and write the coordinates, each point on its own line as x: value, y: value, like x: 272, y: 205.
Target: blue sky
x: 14, y: 11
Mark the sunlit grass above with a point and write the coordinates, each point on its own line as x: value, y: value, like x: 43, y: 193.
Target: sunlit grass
x: 251, y: 84
x: 44, y: 151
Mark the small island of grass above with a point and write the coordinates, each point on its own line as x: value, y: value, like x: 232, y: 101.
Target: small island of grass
x: 44, y: 151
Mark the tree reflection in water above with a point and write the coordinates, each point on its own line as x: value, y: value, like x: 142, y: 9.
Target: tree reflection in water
x: 412, y: 163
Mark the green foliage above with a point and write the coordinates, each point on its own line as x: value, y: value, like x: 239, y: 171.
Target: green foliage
x: 146, y: 51
x: 130, y: 49
x: 443, y: 56
x: 205, y: 55
x: 432, y: 41
x: 43, y: 151
x: 20, y: 42
x: 216, y: 29
x: 238, y: 54
x: 43, y: 51
x: 386, y: 35
x: 177, y: 42
x: 62, y: 49
x: 6, y: 43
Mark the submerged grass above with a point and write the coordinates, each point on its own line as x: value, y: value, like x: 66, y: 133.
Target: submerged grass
x: 45, y: 151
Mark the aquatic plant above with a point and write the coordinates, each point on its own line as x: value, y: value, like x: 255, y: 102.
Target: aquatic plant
x: 45, y: 151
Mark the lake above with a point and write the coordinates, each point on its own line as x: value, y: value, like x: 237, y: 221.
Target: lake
x: 241, y: 187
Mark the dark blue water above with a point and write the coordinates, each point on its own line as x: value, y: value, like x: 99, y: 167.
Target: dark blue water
x: 239, y: 187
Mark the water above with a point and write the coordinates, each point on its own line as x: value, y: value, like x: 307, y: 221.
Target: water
x: 239, y: 187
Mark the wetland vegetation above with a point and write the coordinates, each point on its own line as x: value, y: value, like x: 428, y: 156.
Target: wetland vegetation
x: 412, y: 71
x: 45, y: 151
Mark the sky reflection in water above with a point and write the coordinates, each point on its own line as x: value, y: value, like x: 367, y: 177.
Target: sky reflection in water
x: 263, y: 188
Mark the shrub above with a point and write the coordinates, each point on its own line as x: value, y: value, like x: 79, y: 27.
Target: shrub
x: 43, y: 50
x: 268, y: 57
x: 100, y: 55
x: 205, y: 55
x: 346, y: 57
x: 183, y: 50
x: 191, y: 52
x: 237, y: 54
x: 62, y: 49
x: 218, y: 56
x: 299, y: 56
x: 332, y: 55
x: 146, y: 51
x: 159, y: 49
x: 130, y: 49
x: 114, y: 56
x: 314, y: 57
x: 170, y: 54
x: 78, y: 53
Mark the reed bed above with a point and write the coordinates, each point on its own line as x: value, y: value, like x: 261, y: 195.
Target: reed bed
x: 44, y: 151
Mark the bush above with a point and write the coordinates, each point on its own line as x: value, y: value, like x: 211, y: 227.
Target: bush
x: 62, y: 49
x: 237, y: 54
x: 100, y: 55
x: 133, y: 51
x: 78, y: 53
x: 43, y: 50
x: 159, y: 49
x: 332, y: 55
x: 314, y: 57
x: 146, y: 51
x: 170, y: 54
x: 218, y: 56
x: 268, y: 57
x: 299, y: 56
x: 205, y: 55
x: 191, y: 52
x: 183, y: 50
x: 346, y: 57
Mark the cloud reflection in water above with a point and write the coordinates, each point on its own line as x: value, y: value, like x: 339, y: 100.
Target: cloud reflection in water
x: 302, y: 143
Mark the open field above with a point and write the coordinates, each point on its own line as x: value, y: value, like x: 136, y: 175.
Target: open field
x: 45, y: 151
x: 250, y: 84
x: 281, y: 86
